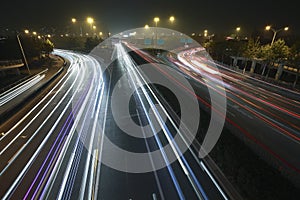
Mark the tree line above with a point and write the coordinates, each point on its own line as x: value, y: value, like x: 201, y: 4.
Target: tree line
x: 277, y: 53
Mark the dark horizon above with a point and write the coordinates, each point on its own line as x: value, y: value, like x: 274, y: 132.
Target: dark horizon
x: 117, y: 16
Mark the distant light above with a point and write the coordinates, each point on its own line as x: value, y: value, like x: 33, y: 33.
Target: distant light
x: 94, y: 27
x: 34, y: 33
x: 229, y: 38
x: 156, y: 19
x: 74, y: 20
x: 146, y: 26
x: 193, y: 34
x: 100, y: 33
x: 90, y: 20
x: 268, y: 28
x: 26, y: 31
x: 172, y: 19
x: 132, y: 34
x: 238, y: 29
x: 67, y: 35
x: 39, y: 37
x: 286, y: 28
x: 49, y: 36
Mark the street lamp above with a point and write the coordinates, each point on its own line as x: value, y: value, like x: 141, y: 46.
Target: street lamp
x: 90, y: 20
x: 275, y: 31
x: 94, y: 29
x: 172, y: 19
x: 238, y: 29
x: 34, y: 33
x: 26, y: 31
x: 205, y: 33
x: 74, y: 21
x: 156, y: 20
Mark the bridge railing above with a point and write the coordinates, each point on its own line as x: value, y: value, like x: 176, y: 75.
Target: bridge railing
x: 11, y: 63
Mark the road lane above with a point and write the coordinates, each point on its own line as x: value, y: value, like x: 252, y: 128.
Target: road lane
x: 58, y: 149
x: 50, y: 136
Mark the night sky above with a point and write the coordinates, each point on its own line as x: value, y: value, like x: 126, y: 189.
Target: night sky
x: 120, y: 15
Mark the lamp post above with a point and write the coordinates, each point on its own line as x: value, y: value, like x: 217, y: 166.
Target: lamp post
x: 205, y: 33
x: 275, y: 31
x: 156, y: 20
x: 237, y: 29
x: 172, y: 19
x: 23, y: 53
x: 94, y: 29
x: 90, y: 21
x: 74, y: 21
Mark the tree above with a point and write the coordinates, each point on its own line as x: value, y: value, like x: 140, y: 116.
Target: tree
x: 275, y: 54
x: 253, y: 49
x: 92, y: 42
x: 219, y: 49
x: 47, y: 47
x: 294, y: 60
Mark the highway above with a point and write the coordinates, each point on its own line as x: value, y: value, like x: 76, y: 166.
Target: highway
x: 79, y: 142
x: 68, y: 145
x: 33, y: 146
x: 264, y: 115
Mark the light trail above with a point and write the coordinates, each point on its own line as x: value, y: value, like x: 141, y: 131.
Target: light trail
x: 61, y: 83
x: 124, y: 55
x: 60, y: 144
x: 21, y: 89
x: 34, y: 118
x: 241, y: 129
x: 72, y: 166
x: 80, y: 105
x: 276, y: 124
x: 181, y: 159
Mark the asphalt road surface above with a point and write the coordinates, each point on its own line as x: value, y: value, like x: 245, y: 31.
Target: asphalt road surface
x: 66, y: 147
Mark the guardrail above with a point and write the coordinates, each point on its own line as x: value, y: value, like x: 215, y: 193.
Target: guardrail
x: 7, y: 64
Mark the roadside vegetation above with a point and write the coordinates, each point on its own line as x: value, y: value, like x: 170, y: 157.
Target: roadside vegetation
x: 33, y: 47
x: 80, y: 44
x: 269, y: 57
